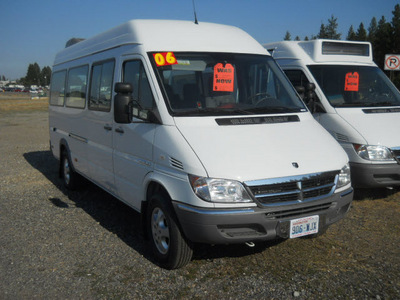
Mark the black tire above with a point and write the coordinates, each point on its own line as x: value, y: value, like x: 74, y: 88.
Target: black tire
x: 69, y: 176
x: 170, y: 248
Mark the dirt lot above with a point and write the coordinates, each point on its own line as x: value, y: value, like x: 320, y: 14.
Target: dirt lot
x: 86, y: 245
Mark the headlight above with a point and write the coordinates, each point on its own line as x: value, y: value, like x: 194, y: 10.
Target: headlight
x: 373, y: 152
x: 344, y: 176
x: 219, y: 190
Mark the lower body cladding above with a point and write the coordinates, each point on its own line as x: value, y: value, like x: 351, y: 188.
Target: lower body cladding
x: 215, y: 226
x: 375, y: 175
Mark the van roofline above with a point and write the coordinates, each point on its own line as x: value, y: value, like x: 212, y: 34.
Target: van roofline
x: 311, y: 52
x: 166, y: 35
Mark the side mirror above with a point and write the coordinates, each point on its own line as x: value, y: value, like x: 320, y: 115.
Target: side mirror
x: 311, y: 99
x: 122, y: 102
x: 300, y: 90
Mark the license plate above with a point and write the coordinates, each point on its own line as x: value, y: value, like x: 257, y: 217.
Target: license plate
x: 304, y: 226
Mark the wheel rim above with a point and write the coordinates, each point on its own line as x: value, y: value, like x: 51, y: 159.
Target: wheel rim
x: 67, y: 171
x: 160, y: 230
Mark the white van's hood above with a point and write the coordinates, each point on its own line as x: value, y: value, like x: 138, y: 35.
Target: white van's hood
x: 259, y: 151
x: 378, y: 127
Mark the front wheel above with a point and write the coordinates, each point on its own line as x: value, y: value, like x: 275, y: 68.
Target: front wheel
x: 69, y: 176
x: 169, y: 246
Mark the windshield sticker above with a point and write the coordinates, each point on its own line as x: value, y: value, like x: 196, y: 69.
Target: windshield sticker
x: 224, y: 76
x: 164, y: 59
x: 351, y: 82
x: 184, y: 62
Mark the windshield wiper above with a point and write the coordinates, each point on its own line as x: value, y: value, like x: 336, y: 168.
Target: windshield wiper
x: 367, y: 104
x: 384, y: 103
x: 215, y: 111
x: 275, y: 109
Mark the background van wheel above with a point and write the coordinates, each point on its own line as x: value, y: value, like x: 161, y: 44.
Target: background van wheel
x: 69, y: 176
x: 169, y: 246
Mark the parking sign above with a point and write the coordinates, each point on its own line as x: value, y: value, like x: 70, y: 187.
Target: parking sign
x: 392, y: 62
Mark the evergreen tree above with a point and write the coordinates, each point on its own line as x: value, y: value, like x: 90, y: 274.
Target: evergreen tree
x: 361, y: 33
x: 33, y: 75
x: 351, y: 35
x: 396, y: 39
x: 396, y: 29
x: 287, y: 37
x: 331, y: 29
x: 306, y: 38
x: 372, y: 29
x: 322, y: 32
x: 297, y: 38
x: 45, y: 76
x: 382, y: 45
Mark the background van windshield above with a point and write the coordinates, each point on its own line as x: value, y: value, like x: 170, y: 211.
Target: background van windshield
x: 355, y: 86
x: 223, y: 84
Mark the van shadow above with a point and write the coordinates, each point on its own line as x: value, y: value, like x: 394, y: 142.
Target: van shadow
x: 118, y: 218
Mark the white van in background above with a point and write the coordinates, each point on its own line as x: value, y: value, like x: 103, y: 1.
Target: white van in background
x: 197, y: 128
x: 355, y: 102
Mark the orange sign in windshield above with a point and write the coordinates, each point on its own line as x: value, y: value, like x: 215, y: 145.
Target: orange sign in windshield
x: 351, y: 82
x: 224, y: 78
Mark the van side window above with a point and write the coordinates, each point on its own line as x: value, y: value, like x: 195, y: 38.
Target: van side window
x: 57, y: 88
x: 135, y: 74
x: 297, y: 77
x: 101, y: 86
x: 76, y: 87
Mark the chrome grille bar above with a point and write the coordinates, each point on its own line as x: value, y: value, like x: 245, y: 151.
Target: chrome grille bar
x: 294, y: 189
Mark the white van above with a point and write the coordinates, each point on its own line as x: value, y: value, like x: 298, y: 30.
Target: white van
x: 197, y: 128
x: 355, y: 102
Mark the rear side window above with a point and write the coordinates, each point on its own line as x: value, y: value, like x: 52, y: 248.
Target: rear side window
x: 101, y: 86
x: 135, y: 74
x: 76, y: 87
x: 57, y: 89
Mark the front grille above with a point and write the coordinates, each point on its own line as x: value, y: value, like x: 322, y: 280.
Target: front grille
x: 291, y: 213
x: 295, y: 189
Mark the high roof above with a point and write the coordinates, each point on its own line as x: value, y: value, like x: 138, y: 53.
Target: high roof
x: 322, y: 51
x: 166, y: 35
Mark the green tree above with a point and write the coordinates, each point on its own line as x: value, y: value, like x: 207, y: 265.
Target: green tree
x: 287, y: 37
x: 45, y: 75
x: 297, y: 38
x: 322, y: 32
x: 331, y: 29
x: 32, y: 75
x: 396, y: 29
x: 372, y: 29
x: 383, y: 42
x: 361, y: 33
x: 396, y: 39
x: 351, y: 35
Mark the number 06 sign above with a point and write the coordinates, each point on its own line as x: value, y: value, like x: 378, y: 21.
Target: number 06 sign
x: 164, y: 59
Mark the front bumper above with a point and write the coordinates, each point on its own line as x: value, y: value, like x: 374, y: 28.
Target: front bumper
x: 229, y: 226
x: 374, y: 175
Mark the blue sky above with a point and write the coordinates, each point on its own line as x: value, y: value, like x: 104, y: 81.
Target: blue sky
x: 35, y: 30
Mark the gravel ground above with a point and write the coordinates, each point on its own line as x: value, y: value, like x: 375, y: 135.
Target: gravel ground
x: 86, y: 244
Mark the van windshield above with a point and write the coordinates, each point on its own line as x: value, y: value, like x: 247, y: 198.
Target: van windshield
x: 355, y: 86
x: 223, y: 84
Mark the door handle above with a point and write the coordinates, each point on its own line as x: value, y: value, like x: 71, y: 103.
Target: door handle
x: 107, y: 127
x: 119, y: 130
